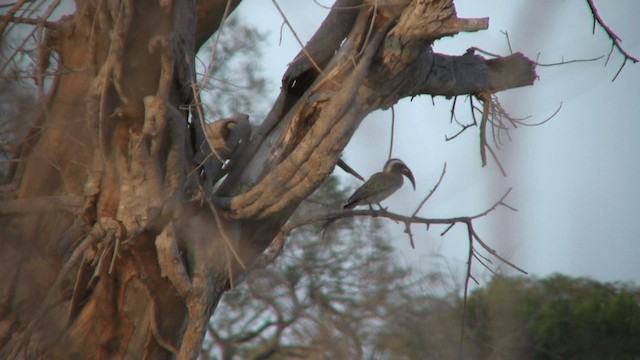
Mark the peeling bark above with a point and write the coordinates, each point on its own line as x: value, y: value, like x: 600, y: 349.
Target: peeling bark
x: 145, y: 247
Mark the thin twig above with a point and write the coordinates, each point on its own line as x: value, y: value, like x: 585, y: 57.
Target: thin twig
x: 20, y: 47
x: 485, y: 262
x: 615, y: 39
x: 30, y: 21
x: 473, y: 49
x: 393, y: 125
x: 407, y: 230
x: 225, y: 237
x: 447, y: 229
x: 495, y: 158
x: 341, y: 214
x: 464, y: 128
x: 506, y: 34
x: 612, y: 35
x: 370, y: 30
x: 486, y: 105
x: 453, y: 109
x: 214, y: 46
x: 466, y: 291
x: 116, y: 247
x: 28, y: 11
x: 564, y: 62
x: 495, y: 253
x: 543, y: 121
x: 304, y: 49
x: 433, y: 190
x: 352, y: 7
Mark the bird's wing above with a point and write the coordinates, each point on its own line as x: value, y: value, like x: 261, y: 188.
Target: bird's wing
x: 368, y: 187
x: 378, y: 183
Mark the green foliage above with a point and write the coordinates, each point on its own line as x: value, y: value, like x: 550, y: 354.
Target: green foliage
x: 555, y: 318
x: 421, y: 327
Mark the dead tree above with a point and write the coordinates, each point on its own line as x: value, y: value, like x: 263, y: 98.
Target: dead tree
x: 118, y: 239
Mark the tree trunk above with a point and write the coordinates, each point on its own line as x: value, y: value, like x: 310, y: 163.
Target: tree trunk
x: 115, y: 242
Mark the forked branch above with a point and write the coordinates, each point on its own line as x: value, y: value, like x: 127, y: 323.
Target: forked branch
x: 410, y: 220
x: 615, y: 39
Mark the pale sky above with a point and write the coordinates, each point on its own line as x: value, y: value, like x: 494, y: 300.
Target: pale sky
x: 575, y: 178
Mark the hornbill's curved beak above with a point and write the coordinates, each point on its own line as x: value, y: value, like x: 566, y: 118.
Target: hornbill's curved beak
x: 407, y: 172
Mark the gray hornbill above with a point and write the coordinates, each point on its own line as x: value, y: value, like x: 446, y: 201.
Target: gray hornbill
x: 381, y: 185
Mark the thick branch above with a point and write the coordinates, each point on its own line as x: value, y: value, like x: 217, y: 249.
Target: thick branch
x: 323, y: 45
x: 316, y: 133
x: 373, y: 69
x: 425, y: 21
x: 471, y: 74
x: 445, y: 75
x: 299, y: 76
x: 70, y: 203
x: 210, y: 14
x: 408, y: 66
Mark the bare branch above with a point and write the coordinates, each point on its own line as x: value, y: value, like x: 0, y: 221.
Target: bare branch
x: 295, y: 34
x: 212, y: 57
x: 30, y: 21
x: 342, y: 214
x: 495, y: 253
x: 472, y: 50
x: 463, y: 129
x: 229, y: 245
x: 471, y: 74
x: 210, y: 14
x: 453, y: 109
x: 433, y: 190
x: 564, y: 62
x: 393, y: 126
x: 408, y: 220
x: 615, y: 39
x: 506, y: 34
x: 495, y: 158
x: 323, y: 45
x: 407, y: 230
x: 486, y: 100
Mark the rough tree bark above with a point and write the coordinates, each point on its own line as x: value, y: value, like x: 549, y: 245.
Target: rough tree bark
x: 115, y: 242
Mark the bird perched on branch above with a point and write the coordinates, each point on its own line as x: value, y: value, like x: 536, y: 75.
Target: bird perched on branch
x: 381, y: 185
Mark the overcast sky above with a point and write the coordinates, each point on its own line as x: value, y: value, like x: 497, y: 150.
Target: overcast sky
x: 575, y: 178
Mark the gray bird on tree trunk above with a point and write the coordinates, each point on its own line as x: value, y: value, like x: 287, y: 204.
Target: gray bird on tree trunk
x: 381, y: 185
